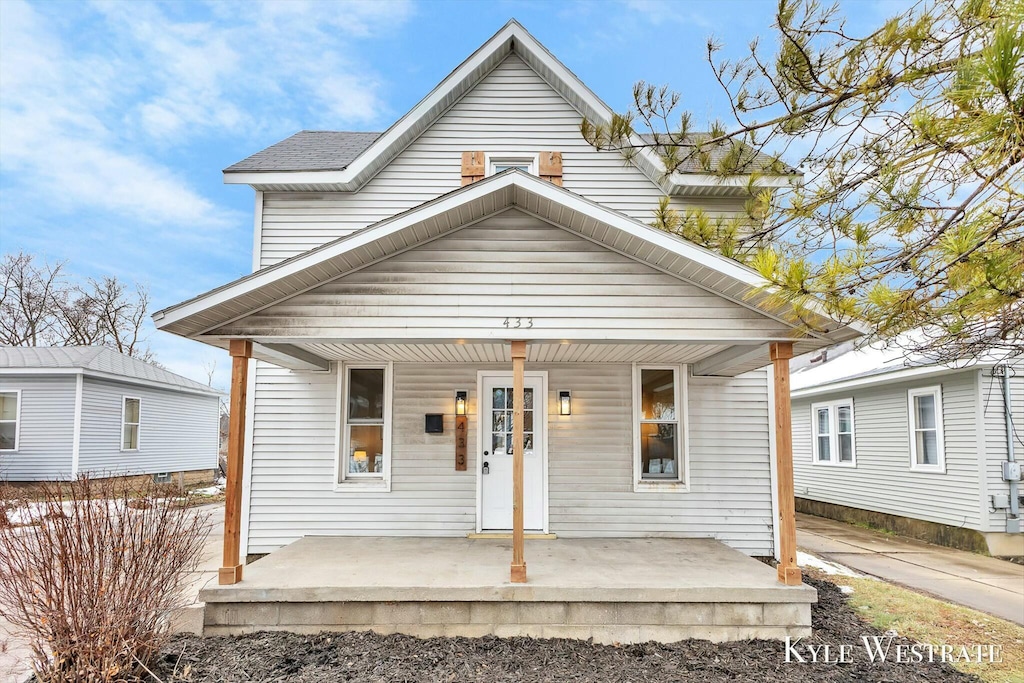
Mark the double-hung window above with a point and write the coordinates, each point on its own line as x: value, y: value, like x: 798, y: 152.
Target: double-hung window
x: 365, y: 415
x: 660, y: 443
x: 832, y: 427
x: 131, y: 418
x: 10, y: 405
x: 926, y: 438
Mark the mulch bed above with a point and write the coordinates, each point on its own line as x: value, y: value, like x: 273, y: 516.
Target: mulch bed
x: 371, y: 657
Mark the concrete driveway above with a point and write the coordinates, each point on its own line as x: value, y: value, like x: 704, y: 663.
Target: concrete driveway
x: 983, y: 583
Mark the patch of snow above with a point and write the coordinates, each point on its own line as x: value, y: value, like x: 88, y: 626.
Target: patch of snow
x: 208, y: 491
x: 831, y: 568
x: 846, y: 590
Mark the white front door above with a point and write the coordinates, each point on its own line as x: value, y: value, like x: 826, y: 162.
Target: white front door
x: 495, y: 458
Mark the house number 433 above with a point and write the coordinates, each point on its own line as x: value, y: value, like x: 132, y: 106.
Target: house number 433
x: 515, y: 323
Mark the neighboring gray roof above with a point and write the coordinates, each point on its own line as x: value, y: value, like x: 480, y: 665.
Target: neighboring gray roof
x: 328, y: 150
x: 309, y: 150
x: 96, y: 358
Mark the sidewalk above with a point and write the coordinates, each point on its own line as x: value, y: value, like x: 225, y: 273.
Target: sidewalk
x: 983, y: 583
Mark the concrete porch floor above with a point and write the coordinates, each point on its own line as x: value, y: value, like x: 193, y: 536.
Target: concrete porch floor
x: 614, y: 590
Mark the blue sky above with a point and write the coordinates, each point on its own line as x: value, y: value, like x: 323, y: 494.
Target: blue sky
x: 116, y: 118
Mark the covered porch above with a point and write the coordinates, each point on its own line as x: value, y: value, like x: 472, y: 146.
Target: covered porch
x: 612, y: 590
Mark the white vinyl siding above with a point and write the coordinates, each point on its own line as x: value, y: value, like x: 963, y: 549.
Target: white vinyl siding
x: 510, y: 265
x: 178, y: 431
x: 883, y: 480
x: 832, y: 439
x: 511, y: 112
x: 590, y: 460
x: 46, y: 412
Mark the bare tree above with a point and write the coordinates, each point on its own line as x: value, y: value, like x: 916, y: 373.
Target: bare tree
x: 41, y: 306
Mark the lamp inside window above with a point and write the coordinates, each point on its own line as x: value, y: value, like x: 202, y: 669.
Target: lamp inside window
x: 460, y: 402
x: 565, y: 402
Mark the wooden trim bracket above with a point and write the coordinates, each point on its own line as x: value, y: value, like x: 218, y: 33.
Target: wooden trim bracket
x: 231, y: 569
x: 789, y: 572
x: 518, y: 573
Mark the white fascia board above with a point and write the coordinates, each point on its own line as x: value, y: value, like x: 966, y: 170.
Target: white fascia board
x: 679, y: 183
x: 886, y: 378
x: 513, y: 178
x: 99, y: 374
x: 331, y: 250
x: 387, y: 142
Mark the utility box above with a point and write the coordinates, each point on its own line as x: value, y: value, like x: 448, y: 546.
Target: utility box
x: 1011, y: 471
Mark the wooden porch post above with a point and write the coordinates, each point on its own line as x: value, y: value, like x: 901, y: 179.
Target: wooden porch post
x: 231, y: 570
x: 518, y: 398
x: 789, y: 572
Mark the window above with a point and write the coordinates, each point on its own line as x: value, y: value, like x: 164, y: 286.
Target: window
x: 527, y: 163
x: 832, y: 425
x: 364, y: 421
x: 10, y: 410
x: 162, y: 478
x: 130, y: 417
x: 926, y: 440
x: 660, y: 400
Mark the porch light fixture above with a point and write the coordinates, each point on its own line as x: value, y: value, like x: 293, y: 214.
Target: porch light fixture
x: 460, y: 402
x: 565, y: 402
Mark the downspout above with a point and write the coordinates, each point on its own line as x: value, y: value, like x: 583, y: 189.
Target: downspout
x: 1011, y: 473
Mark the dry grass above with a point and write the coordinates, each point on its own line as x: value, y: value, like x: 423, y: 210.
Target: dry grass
x: 927, y: 620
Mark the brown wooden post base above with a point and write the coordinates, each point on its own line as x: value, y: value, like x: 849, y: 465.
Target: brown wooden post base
x: 788, y: 571
x: 518, y: 573
x: 229, y: 575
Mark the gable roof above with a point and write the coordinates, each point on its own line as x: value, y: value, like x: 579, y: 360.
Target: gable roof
x: 616, y: 231
x: 98, y: 360
x: 511, y: 38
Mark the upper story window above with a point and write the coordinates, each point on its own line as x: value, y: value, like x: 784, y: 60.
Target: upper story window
x: 927, y: 452
x: 832, y: 426
x: 496, y: 163
x: 660, y: 409
x: 131, y: 414
x: 365, y: 418
x: 10, y: 404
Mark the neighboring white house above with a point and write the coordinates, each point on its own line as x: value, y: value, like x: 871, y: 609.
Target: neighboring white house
x: 85, y: 409
x: 399, y: 275
x: 885, y: 439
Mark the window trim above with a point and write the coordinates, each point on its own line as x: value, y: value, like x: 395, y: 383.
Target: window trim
x: 492, y: 159
x: 940, y: 432
x: 343, y: 479
x: 682, y: 480
x: 17, y: 421
x: 833, y: 407
x: 138, y: 439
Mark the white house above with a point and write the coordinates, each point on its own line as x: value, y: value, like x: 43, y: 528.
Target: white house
x: 927, y: 450
x: 408, y: 284
x: 70, y: 410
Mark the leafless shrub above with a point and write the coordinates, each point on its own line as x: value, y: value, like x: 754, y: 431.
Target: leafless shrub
x: 91, y: 587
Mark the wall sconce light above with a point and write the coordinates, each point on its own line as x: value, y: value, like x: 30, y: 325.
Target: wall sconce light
x: 565, y: 403
x: 460, y: 402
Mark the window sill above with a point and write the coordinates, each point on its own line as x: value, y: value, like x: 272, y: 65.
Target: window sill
x: 929, y: 469
x: 830, y: 463
x: 378, y: 485
x: 660, y: 486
